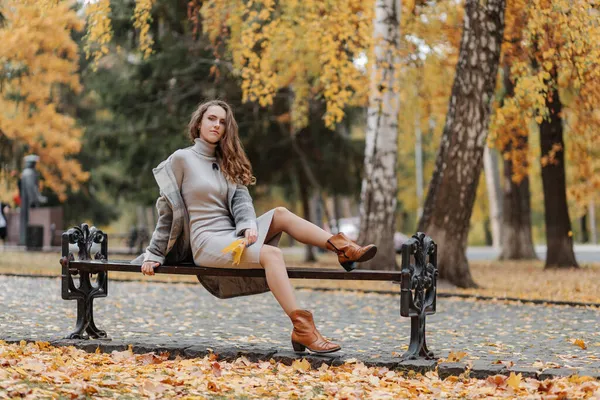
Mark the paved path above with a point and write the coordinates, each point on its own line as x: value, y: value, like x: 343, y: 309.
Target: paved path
x: 584, y: 253
x: 368, y: 326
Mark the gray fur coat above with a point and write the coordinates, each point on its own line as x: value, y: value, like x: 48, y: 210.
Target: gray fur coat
x: 170, y: 243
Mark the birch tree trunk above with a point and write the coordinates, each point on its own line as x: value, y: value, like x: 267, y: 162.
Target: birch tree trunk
x: 449, y: 203
x: 304, y: 186
x: 492, y: 180
x: 592, y: 213
x: 378, y: 192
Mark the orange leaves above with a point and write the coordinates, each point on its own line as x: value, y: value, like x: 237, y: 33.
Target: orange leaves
x: 560, y: 36
x: 216, y: 369
x: 301, y: 366
x: 39, y: 55
x: 580, y: 343
x: 456, y: 357
x: 550, y: 158
x: 514, y: 381
x: 500, y: 381
x: 33, y: 373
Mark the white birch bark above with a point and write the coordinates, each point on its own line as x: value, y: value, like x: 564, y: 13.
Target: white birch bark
x: 592, y: 215
x: 378, y: 192
x: 494, y: 191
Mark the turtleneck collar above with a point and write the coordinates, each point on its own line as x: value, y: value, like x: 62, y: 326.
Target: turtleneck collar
x: 204, y: 148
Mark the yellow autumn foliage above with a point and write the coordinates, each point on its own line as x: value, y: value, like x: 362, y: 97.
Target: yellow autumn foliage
x: 308, y: 46
x: 542, y: 36
x: 99, y: 30
x: 141, y: 21
x: 38, y: 62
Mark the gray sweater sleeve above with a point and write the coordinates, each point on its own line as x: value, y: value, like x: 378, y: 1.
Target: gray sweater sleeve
x: 242, y: 210
x: 160, y: 237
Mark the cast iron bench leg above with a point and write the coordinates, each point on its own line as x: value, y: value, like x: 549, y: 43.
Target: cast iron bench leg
x: 418, y: 291
x: 418, y: 344
x: 86, y: 292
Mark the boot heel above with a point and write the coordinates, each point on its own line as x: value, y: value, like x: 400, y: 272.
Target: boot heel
x: 299, y: 348
x: 349, y: 265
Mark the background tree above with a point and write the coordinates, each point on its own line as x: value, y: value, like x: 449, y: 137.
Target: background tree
x: 261, y: 37
x: 38, y: 66
x: 556, y: 84
x: 451, y: 193
x: 137, y: 108
x: 430, y: 34
x: 378, y: 193
x: 511, y: 138
x: 517, y: 241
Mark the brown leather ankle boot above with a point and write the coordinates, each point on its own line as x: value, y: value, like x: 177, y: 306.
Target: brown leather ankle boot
x: 349, y: 252
x: 305, y: 334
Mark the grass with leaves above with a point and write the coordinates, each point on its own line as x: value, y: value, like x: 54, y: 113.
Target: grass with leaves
x: 39, y: 370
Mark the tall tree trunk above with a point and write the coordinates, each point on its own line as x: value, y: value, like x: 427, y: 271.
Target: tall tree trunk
x: 517, y: 240
x: 559, y: 237
x: 592, y: 213
x: 449, y: 202
x: 309, y: 255
x: 585, y: 234
x: 494, y: 191
x: 378, y: 192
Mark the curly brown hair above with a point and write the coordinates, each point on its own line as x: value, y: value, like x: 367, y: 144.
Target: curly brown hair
x: 229, y: 151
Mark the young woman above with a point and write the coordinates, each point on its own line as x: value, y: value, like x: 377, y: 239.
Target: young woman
x: 205, y: 205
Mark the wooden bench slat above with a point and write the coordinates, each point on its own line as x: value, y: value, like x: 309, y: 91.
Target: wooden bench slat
x: 294, y: 273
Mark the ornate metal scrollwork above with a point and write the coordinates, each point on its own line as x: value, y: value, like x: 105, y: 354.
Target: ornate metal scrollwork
x: 418, y: 293
x: 85, y: 237
x: 85, y: 293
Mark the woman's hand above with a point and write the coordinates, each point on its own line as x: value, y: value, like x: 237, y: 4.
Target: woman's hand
x: 251, y: 236
x: 148, y: 267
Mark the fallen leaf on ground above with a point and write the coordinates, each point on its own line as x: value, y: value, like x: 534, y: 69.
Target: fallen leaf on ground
x: 80, y: 375
x: 456, y: 357
x: 212, y: 386
x: 514, y: 381
x: 303, y: 365
x: 216, y: 369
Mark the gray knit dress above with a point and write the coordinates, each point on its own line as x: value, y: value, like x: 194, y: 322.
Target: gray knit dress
x: 204, y: 191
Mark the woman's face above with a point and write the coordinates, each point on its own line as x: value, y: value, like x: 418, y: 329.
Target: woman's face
x: 212, y: 126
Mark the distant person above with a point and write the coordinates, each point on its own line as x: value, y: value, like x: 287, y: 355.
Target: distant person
x: 3, y: 222
x: 205, y: 206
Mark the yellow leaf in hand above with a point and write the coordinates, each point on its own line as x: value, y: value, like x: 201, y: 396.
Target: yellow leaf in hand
x: 237, y: 249
x: 514, y: 381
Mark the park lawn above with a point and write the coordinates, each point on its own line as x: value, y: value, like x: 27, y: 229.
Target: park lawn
x: 523, y: 280
x: 38, y: 370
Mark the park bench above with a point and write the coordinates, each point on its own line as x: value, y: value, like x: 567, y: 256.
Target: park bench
x: 86, y: 279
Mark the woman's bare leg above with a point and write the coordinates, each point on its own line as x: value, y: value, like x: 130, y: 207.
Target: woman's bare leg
x: 271, y: 259
x: 300, y: 229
